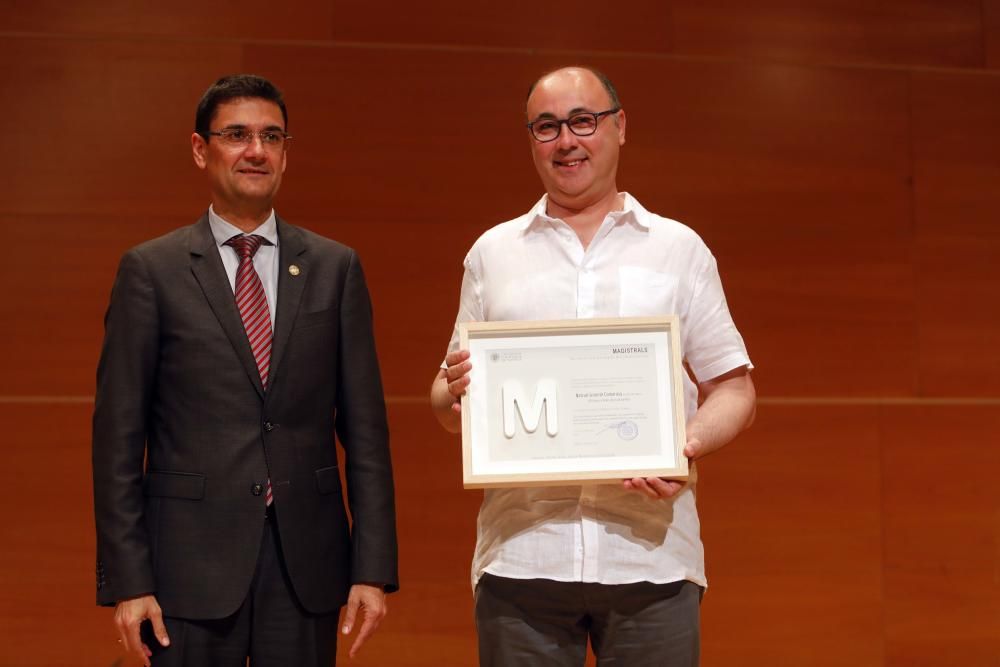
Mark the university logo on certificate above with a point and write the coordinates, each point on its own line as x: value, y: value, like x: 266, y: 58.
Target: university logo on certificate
x: 566, y: 402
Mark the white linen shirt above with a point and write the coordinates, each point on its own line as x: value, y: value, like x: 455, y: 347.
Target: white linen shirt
x: 638, y: 264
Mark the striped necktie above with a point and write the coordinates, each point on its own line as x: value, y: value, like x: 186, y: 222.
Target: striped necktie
x: 252, y: 304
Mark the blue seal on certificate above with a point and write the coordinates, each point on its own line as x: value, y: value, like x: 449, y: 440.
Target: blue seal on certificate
x: 628, y: 430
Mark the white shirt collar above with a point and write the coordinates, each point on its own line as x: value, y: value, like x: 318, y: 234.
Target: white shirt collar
x: 223, y: 231
x: 632, y: 211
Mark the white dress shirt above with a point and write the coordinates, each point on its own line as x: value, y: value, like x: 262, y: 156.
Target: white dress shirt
x: 265, y: 260
x: 638, y: 264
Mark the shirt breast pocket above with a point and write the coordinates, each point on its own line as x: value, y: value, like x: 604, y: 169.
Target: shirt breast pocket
x: 643, y: 292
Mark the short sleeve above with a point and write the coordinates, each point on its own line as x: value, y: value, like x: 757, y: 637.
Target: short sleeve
x: 470, y: 302
x: 712, y: 345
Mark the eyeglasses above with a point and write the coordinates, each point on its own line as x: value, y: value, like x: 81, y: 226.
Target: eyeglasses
x: 239, y: 136
x: 581, y: 124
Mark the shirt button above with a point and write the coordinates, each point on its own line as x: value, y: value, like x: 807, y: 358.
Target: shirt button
x: 257, y: 489
x: 268, y: 426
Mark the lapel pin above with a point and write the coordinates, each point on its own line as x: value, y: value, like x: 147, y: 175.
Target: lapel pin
x: 293, y: 269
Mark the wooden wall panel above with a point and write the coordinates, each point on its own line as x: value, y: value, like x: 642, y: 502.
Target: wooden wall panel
x: 942, y: 535
x: 517, y: 24
x: 47, y: 565
x: 929, y: 32
x: 957, y: 169
x: 55, y: 327
x: 104, y: 126
x: 991, y: 29
x: 792, y: 531
x: 946, y: 33
x: 782, y: 169
x: 213, y: 21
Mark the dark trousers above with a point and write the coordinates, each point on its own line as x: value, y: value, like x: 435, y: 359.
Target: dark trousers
x: 544, y: 623
x: 270, y: 628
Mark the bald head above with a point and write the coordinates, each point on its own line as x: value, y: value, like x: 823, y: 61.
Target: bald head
x: 580, y: 71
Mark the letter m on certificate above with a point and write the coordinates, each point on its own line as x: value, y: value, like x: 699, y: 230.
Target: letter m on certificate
x: 516, y: 407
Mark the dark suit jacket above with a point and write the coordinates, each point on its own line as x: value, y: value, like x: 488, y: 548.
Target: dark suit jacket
x: 177, y: 384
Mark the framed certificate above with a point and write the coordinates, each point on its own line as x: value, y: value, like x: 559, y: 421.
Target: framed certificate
x: 572, y: 401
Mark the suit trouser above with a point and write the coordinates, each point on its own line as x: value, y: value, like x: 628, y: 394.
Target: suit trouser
x: 545, y: 623
x: 270, y: 627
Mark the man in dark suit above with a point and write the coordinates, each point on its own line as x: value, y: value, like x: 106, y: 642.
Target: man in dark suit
x: 235, y: 349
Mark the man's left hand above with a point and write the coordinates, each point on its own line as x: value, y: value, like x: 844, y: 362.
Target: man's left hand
x: 370, y: 599
x: 659, y: 487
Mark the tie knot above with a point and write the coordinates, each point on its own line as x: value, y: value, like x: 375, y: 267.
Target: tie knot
x: 246, y: 245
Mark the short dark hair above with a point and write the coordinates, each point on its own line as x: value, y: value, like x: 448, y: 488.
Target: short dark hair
x: 235, y: 86
x: 605, y: 81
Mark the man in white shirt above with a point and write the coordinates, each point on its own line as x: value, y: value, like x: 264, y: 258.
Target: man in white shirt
x: 621, y: 565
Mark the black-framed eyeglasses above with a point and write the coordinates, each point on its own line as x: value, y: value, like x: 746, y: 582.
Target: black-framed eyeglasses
x: 240, y: 136
x: 581, y: 124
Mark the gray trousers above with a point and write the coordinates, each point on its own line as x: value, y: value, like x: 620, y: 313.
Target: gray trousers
x: 544, y: 623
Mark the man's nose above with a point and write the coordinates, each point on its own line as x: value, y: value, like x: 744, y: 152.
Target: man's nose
x: 255, y: 148
x: 566, y: 138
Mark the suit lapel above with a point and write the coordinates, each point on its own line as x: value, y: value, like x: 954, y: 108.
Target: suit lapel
x: 206, y: 264
x: 293, y: 272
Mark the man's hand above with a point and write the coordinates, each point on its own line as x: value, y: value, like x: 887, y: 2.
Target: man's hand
x: 448, y: 388
x: 728, y: 408
x: 658, y: 487
x: 370, y: 599
x: 456, y: 376
x: 129, y: 615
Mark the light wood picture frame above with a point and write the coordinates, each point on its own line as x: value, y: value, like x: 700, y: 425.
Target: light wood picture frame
x: 564, y: 402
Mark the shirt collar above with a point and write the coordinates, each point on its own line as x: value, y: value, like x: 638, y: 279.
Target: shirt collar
x: 632, y: 212
x: 223, y: 231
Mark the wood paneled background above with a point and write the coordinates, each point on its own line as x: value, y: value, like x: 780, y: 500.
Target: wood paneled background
x: 842, y: 159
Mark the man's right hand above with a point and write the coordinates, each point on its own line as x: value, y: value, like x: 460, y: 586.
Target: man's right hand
x: 457, y: 375
x: 129, y: 615
x: 449, y: 387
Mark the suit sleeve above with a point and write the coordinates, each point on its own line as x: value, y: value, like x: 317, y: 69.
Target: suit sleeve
x: 125, y: 377
x: 364, y: 434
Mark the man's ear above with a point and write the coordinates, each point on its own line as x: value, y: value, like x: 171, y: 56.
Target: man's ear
x: 199, y: 150
x: 620, y: 122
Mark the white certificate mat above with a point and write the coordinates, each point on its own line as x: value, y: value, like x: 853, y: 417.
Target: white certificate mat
x: 565, y: 402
